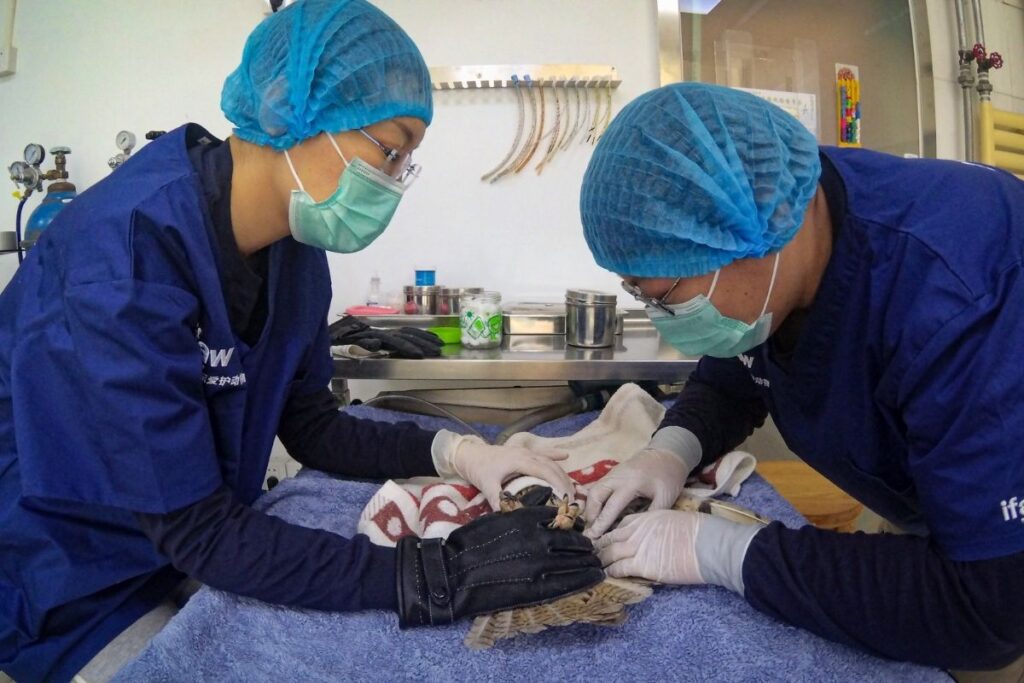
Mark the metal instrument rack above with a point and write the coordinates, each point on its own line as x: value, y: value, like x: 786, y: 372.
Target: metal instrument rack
x: 473, y: 77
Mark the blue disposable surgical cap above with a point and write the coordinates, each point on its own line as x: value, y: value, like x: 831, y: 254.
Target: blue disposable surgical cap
x: 324, y: 65
x: 691, y: 177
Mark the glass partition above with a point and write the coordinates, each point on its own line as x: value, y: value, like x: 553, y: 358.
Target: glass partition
x: 797, y: 53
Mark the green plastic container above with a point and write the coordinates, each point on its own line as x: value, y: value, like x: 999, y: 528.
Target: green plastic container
x: 449, y: 335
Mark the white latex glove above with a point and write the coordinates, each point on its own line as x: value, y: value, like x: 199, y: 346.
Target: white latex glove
x: 672, y: 546
x: 658, y: 546
x: 488, y: 467
x: 650, y: 473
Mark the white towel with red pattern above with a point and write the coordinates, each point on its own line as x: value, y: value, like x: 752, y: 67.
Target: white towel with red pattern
x: 431, y: 507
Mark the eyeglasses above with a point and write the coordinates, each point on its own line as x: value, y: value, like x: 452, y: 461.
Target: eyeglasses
x: 404, y: 171
x: 658, y: 302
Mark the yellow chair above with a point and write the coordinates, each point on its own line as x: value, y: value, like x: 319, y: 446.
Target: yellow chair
x: 825, y: 505
x: 1001, y: 138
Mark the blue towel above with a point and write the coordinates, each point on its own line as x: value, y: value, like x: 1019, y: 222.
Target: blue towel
x: 700, y: 633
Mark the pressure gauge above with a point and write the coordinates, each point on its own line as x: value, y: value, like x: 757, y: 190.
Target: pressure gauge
x: 18, y: 170
x: 34, y: 154
x: 24, y: 174
x: 125, y: 141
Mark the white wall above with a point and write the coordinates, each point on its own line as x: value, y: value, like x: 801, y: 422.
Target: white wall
x: 521, y: 236
x: 89, y: 69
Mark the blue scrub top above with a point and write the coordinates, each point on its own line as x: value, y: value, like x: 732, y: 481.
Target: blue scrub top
x: 123, y: 388
x: 905, y: 386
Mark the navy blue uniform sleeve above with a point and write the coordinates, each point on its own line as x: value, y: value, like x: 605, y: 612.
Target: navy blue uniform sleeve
x: 720, y: 404
x: 894, y: 596
x: 318, y: 435
x: 128, y: 424
x: 959, y: 406
x: 229, y: 546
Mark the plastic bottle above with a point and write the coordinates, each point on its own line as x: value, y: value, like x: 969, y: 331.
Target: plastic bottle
x: 373, y: 298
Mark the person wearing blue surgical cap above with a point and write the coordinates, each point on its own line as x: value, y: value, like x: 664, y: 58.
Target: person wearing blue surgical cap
x: 874, y: 307
x: 173, y: 320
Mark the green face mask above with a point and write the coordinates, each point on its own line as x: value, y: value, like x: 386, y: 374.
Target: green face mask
x: 351, y: 218
x: 697, y: 328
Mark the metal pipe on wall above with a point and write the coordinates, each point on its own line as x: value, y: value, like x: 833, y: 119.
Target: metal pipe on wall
x: 984, y: 85
x: 979, y: 26
x: 966, y: 81
x: 924, y: 78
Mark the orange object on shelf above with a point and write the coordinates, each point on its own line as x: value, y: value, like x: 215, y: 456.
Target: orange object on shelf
x: 824, y: 504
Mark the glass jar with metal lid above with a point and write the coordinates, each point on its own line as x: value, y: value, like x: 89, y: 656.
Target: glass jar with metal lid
x: 590, y: 318
x: 480, y: 320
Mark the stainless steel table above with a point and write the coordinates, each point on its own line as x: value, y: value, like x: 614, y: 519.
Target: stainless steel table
x: 639, y: 354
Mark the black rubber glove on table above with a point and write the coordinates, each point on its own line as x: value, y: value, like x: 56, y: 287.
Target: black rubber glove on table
x: 403, y: 342
x: 494, y: 563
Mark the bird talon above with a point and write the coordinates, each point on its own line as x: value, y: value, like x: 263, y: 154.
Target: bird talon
x: 565, y: 517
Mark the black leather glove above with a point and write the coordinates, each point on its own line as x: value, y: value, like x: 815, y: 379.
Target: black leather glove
x: 403, y: 342
x: 496, y: 562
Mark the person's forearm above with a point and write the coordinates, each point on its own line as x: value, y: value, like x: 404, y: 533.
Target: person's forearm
x: 231, y: 547
x: 319, y: 436
x: 679, y: 441
x: 719, y: 421
x: 893, y: 596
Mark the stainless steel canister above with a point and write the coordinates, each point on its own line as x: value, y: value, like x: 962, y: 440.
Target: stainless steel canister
x: 590, y: 318
x: 421, y: 300
x: 448, y: 299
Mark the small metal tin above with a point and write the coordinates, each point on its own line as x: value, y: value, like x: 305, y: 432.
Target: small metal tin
x: 531, y: 317
x: 421, y: 300
x: 591, y: 318
x: 589, y: 296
